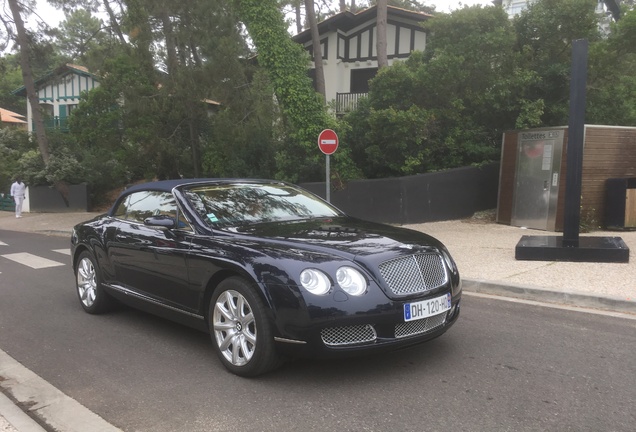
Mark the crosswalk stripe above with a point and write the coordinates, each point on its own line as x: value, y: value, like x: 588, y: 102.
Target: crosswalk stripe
x: 32, y: 261
x: 66, y: 251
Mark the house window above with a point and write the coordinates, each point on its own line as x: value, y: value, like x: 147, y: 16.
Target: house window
x: 47, y: 109
x: 360, y: 79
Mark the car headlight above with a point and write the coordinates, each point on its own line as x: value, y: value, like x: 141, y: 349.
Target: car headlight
x: 315, y: 281
x: 351, y: 281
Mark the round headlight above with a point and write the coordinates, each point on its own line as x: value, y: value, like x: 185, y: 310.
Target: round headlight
x: 315, y: 281
x: 351, y: 281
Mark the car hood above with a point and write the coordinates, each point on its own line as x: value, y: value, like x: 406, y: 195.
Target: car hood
x: 343, y: 234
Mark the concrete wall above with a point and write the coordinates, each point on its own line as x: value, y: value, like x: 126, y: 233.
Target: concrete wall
x: 446, y: 195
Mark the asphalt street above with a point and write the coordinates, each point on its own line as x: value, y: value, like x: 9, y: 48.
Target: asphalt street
x: 504, y: 366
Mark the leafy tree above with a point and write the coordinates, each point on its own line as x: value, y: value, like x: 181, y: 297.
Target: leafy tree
x: 13, y: 144
x: 155, y: 121
x: 545, y: 31
x: 83, y: 39
x: 442, y: 108
x: 483, y: 74
x: 611, y: 87
x: 11, y: 79
x: 286, y: 64
x: 23, y: 41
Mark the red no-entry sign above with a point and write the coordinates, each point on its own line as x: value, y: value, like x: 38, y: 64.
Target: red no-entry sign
x: 328, y: 141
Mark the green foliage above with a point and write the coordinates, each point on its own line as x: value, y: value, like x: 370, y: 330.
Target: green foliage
x: 239, y: 143
x: 545, y: 32
x: 611, y: 89
x: 443, y: 108
x: 13, y: 143
x: 483, y: 74
x: 64, y: 163
x: 304, y: 113
x: 11, y: 79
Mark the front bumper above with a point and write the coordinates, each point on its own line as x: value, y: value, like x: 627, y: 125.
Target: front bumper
x: 367, y: 334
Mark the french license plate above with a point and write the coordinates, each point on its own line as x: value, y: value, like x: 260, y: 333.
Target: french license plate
x: 427, y: 308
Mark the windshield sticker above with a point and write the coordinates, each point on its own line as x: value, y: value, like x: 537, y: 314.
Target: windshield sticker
x: 212, y: 217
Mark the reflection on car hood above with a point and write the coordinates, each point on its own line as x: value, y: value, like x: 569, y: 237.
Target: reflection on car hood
x: 345, y: 234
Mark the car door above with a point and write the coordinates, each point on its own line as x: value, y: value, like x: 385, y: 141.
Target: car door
x: 150, y: 260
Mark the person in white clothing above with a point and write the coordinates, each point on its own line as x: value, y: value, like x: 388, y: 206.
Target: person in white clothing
x: 18, y: 189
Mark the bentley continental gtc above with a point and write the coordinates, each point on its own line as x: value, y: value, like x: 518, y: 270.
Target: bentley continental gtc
x: 270, y: 270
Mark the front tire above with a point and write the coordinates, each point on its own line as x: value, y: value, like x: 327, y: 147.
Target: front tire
x: 89, y: 287
x: 241, y: 332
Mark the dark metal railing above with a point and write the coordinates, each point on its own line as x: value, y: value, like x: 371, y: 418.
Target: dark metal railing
x: 56, y: 122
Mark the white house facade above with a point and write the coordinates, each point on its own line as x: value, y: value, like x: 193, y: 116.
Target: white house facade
x: 59, y: 93
x: 349, y: 54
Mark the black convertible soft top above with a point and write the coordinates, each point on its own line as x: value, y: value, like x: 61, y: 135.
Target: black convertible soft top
x: 168, y: 185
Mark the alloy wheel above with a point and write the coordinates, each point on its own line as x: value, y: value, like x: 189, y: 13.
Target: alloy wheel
x: 234, y: 327
x: 86, y: 282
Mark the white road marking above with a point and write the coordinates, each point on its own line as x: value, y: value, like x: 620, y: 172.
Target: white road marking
x: 63, y: 251
x: 32, y: 261
x: 3, y: 243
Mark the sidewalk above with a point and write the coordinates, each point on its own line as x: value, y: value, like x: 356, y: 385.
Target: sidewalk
x: 484, y: 252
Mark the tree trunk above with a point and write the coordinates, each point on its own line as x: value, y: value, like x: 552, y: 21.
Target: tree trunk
x: 343, y: 5
x: 113, y: 22
x: 381, y: 34
x: 315, y: 38
x: 299, y: 20
x: 27, y: 76
x: 171, y: 46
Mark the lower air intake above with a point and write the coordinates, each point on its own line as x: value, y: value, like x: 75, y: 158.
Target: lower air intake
x: 350, y: 335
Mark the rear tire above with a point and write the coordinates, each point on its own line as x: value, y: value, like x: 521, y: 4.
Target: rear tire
x: 241, y: 332
x: 89, y: 286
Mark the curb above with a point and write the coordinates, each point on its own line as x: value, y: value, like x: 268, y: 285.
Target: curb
x: 45, y: 407
x: 612, y: 304
x: 17, y: 419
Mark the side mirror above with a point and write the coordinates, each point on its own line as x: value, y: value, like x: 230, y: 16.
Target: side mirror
x: 160, y: 221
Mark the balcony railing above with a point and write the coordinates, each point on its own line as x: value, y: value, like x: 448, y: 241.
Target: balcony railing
x: 60, y: 123
x: 347, y: 102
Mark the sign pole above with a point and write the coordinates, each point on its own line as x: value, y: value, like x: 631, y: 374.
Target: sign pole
x: 328, y: 180
x: 328, y: 144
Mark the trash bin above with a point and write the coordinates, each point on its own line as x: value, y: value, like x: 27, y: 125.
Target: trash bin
x: 620, y: 203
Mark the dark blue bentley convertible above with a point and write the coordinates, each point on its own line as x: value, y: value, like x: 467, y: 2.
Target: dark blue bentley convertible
x: 268, y: 269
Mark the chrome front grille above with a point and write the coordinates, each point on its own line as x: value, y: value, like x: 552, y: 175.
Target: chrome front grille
x: 339, y: 336
x: 420, y: 326
x: 414, y: 274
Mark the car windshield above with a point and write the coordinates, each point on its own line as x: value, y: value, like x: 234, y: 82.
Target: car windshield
x: 224, y: 205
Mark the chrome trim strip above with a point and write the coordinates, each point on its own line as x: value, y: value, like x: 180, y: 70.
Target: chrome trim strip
x: 127, y: 291
x: 279, y: 339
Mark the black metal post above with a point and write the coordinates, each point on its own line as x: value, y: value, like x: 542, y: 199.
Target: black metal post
x: 576, y: 132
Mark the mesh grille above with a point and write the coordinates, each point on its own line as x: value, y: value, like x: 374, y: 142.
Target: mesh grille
x: 336, y: 336
x: 414, y: 273
x: 420, y: 326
